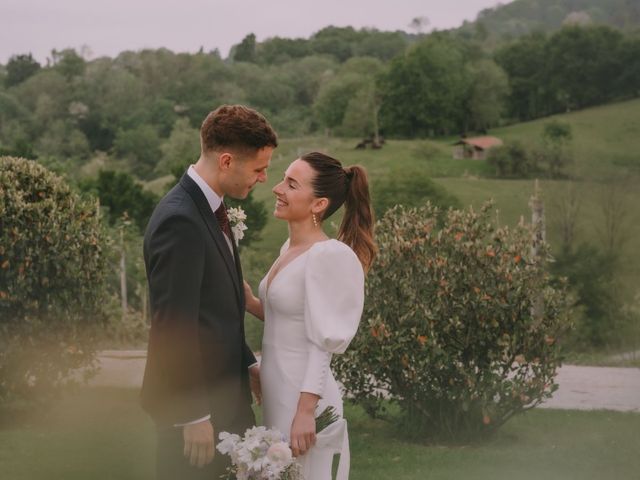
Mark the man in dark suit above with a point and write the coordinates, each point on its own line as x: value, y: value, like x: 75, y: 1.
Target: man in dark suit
x: 200, y: 371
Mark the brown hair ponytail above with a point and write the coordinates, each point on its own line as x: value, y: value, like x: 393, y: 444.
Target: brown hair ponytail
x: 348, y: 186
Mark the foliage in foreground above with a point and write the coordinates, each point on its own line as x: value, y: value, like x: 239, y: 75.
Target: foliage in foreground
x: 52, y: 272
x: 449, y: 331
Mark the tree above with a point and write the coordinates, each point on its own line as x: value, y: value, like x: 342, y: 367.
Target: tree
x: 423, y: 92
x: 524, y: 61
x: 140, y: 146
x: 245, y: 51
x: 19, y: 68
x: 68, y: 63
x: 121, y: 195
x: 336, y: 41
x: 512, y: 160
x: 334, y: 97
x: 575, y: 54
x: 556, y: 147
x: 53, y: 272
x: 487, y: 95
x: 180, y: 150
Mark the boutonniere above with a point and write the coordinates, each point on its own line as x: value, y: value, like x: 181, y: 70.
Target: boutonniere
x: 236, y: 220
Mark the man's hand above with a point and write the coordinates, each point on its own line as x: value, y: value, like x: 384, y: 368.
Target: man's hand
x: 198, y: 443
x: 254, y: 382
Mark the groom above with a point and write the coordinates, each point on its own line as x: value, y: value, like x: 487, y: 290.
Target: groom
x: 199, y: 367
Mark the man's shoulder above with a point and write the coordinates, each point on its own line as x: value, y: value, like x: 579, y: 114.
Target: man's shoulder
x: 176, y: 205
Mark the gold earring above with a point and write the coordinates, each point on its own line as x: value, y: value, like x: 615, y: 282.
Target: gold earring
x: 315, y: 220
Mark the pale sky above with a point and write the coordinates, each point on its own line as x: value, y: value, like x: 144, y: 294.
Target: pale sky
x: 108, y: 27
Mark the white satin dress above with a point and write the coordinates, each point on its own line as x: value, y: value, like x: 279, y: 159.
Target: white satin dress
x: 312, y: 309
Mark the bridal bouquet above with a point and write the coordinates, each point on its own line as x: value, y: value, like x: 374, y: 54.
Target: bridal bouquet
x: 236, y: 220
x: 263, y: 454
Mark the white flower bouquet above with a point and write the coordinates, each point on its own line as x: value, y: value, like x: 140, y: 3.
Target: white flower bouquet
x: 264, y: 454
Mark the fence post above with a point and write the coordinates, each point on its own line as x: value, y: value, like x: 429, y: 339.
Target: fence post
x: 539, y: 237
x: 123, y: 276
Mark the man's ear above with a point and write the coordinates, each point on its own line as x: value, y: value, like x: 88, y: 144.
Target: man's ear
x: 319, y: 205
x: 224, y: 161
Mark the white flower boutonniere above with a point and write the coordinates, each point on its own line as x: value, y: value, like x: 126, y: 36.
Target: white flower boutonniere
x: 236, y: 219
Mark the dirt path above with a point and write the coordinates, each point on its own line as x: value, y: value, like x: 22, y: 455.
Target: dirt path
x: 581, y: 388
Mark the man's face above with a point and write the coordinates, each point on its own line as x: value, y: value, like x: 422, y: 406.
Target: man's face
x: 244, y: 173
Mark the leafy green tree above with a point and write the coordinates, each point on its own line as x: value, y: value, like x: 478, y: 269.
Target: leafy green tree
x: 381, y: 45
x: 449, y: 332
x: 19, y: 68
x: 53, y: 272
x: 335, y: 41
x: 245, y: 51
x: 628, y: 84
x: 279, y: 50
x: 591, y: 277
x: 487, y: 95
x: 555, y: 150
x: 575, y: 54
x: 512, y: 160
x: 140, y: 146
x: 68, y: 62
x: 121, y: 195
x: 524, y: 61
x: 334, y: 97
x: 423, y: 91
x: 62, y: 140
x: 180, y: 150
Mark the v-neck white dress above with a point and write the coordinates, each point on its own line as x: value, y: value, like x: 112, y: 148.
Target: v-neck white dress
x: 312, y: 309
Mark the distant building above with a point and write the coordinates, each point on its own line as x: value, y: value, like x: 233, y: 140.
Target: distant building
x: 475, y: 147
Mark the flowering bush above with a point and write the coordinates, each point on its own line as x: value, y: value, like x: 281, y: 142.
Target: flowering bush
x: 261, y: 454
x: 450, y: 330
x: 52, y: 272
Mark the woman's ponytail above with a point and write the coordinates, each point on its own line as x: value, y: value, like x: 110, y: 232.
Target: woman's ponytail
x: 348, y: 186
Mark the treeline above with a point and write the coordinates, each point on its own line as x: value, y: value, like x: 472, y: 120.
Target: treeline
x: 141, y: 110
x: 522, y: 17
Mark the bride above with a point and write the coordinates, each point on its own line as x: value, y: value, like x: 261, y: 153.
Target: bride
x: 311, y: 301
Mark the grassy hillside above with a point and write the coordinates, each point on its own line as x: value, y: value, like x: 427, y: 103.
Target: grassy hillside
x: 606, y: 143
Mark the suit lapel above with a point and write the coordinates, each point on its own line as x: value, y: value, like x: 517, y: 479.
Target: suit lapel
x: 216, y: 232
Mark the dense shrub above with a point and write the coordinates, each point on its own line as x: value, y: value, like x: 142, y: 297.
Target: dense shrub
x: 52, y: 270
x: 512, y: 160
x: 410, y: 188
x: 448, y: 330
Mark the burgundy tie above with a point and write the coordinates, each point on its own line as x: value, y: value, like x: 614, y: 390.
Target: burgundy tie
x: 223, y: 220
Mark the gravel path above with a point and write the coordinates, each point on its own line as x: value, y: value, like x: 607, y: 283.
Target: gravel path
x: 581, y: 388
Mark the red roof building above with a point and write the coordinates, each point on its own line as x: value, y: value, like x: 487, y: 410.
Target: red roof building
x: 475, y: 147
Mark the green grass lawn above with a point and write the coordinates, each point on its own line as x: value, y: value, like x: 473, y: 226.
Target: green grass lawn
x: 102, y: 434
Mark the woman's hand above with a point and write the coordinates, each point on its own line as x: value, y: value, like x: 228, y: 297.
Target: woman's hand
x: 303, y: 428
x: 253, y: 304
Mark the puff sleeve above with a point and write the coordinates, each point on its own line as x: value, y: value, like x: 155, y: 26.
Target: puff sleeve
x: 334, y: 298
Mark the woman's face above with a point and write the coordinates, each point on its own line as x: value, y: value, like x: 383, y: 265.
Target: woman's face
x: 295, y: 200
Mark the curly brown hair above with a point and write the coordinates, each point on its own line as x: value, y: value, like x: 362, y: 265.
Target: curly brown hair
x: 237, y: 127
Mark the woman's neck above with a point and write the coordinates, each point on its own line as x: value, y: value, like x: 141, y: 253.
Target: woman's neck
x: 305, y: 233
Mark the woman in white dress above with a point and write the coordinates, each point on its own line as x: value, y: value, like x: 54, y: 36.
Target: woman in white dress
x: 311, y: 301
